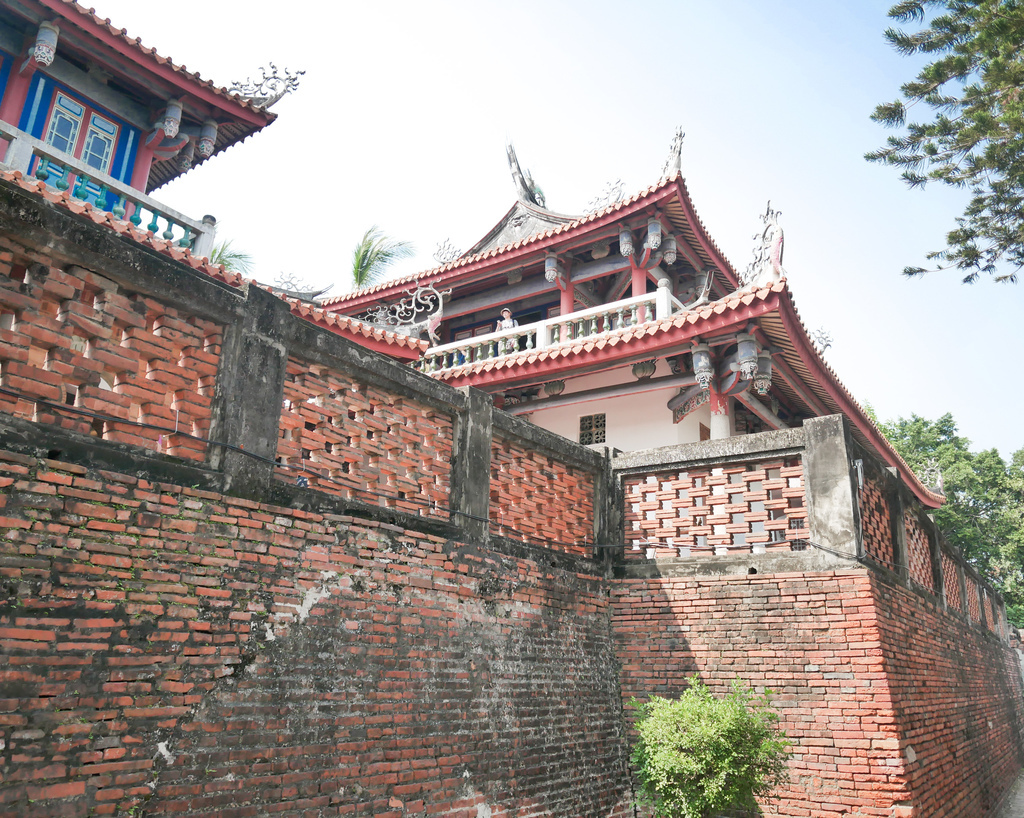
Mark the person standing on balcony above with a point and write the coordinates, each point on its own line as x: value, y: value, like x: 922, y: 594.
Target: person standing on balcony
x: 506, y: 345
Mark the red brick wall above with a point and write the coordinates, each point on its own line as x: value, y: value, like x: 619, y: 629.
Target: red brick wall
x: 163, y: 645
x: 536, y: 497
x: 359, y: 441
x: 73, y: 337
x: 812, y: 639
x: 738, y: 508
x: 827, y: 644
x: 956, y: 693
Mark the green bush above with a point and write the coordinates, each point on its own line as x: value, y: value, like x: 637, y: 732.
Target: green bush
x: 698, y: 755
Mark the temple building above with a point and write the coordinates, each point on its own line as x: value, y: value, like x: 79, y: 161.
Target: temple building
x: 630, y: 328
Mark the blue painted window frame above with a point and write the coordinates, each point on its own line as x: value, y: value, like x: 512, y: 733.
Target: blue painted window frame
x: 38, y: 109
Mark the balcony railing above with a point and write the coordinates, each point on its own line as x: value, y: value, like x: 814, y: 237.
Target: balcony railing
x: 552, y: 332
x: 28, y: 154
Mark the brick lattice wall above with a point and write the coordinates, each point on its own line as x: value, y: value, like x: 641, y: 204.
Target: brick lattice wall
x: 75, y: 338
x: 359, y: 441
x: 919, y: 556
x: 973, y: 605
x: 535, y: 497
x: 184, y: 651
x: 876, y: 517
x: 741, y: 507
x: 952, y: 584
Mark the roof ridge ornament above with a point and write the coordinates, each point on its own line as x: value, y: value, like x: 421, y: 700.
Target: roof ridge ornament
x: 674, y: 162
x: 446, y: 252
x: 271, y: 88
x: 612, y: 194
x: 527, y: 190
x: 766, y: 268
x: 403, y: 318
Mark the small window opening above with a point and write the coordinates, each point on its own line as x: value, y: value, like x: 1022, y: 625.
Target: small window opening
x: 593, y: 429
x: 69, y: 395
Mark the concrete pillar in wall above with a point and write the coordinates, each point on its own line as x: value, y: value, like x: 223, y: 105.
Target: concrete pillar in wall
x: 246, y: 409
x: 471, y: 466
x: 830, y: 479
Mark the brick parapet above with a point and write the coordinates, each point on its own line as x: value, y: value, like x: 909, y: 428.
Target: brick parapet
x: 233, y: 367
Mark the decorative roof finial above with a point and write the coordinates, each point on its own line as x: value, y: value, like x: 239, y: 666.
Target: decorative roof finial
x: 766, y: 268
x: 612, y: 194
x: 526, y: 189
x: 446, y: 253
x: 271, y: 88
x: 674, y: 162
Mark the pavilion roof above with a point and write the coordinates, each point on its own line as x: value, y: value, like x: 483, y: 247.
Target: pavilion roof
x: 670, y: 196
x: 146, y: 73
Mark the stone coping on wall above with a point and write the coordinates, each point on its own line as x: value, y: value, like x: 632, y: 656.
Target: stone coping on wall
x: 711, y: 452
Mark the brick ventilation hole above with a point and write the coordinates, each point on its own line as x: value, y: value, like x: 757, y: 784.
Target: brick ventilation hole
x: 79, y: 339
x: 919, y: 556
x: 741, y: 508
x: 534, y: 496
x: 876, y: 518
x: 952, y: 584
x: 357, y: 441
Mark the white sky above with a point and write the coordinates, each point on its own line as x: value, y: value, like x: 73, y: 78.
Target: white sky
x: 405, y: 108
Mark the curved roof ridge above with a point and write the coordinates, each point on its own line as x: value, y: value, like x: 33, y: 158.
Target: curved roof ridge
x: 465, y: 261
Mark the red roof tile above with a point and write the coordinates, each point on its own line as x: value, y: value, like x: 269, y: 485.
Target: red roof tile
x: 88, y: 16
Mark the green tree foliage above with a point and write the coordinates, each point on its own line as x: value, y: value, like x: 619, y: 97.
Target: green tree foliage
x: 973, y: 134
x: 237, y: 261
x: 374, y: 254
x: 984, y: 510
x: 698, y: 754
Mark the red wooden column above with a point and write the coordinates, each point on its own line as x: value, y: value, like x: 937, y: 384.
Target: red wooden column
x: 567, y: 299
x: 639, y: 275
x: 15, y: 93
x: 721, y: 417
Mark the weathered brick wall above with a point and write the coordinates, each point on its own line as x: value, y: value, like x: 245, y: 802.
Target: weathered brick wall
x: 191, y: 652
x: 862, y: 671
x: 741, y: 507
x: 811, y: 639
x: 360, y: 441
x: 76, y: 338
x: 537, y: 497
x: 957, y: 697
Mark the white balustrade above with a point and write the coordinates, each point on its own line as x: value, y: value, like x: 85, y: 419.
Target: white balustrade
x: 552, y: 332
x: 89, y: 185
